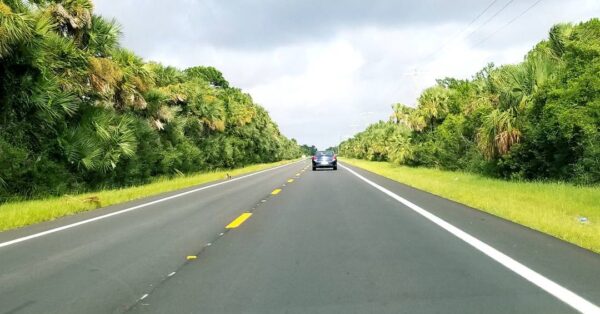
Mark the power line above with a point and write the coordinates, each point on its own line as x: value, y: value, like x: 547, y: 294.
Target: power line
x: 473, y: 31
x: 457, y: 34
x: 490, y: 18
x: 508, y: 23
x: 470, y: 33
x: 480, y: 14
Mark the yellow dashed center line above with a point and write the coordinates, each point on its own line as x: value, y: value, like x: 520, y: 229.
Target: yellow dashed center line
x: 290, y: 180
x: 238, y: 221
x: 276, y: 191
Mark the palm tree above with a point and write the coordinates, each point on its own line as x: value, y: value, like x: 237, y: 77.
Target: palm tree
x: 399, y: 146
x: 498, y: 133
x: 559, y: 35
x: 400, y: 114
x: 105, y: 78
x: 136, y: 80
x: 103, y: 37
x: 416, y: 121
x: 515, y: 86
x: 212, y: 112
x: 239, y: 107
x: 164, y: 75
x: 72, y: 18
x: 433, y: 104
x: 100, y: 142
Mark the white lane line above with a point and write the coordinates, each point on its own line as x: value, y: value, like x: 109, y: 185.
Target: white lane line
x: 575, y: 301
x: 171, y: 274
x: 83, y: 222
x: 144, y: 296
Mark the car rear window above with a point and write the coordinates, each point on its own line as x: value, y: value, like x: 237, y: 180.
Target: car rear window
x: 324, y: 153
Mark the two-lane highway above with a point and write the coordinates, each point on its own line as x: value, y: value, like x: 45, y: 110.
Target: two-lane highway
x: 290, y: 240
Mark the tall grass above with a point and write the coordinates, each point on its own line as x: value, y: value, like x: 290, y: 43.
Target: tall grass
x: 552, y: 208
x: 22, y: 213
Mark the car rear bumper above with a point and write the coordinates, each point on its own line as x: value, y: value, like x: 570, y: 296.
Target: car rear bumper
x: 329, y: 164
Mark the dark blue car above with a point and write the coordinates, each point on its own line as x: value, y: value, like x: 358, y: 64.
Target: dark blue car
x: 324, y: 159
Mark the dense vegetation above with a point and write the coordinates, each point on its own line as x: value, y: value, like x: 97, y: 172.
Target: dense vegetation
x: 308, y: 150
x: 539, y: 119
x: 79, y: 112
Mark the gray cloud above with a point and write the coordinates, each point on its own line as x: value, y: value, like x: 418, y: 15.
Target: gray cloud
x: 241, y: 24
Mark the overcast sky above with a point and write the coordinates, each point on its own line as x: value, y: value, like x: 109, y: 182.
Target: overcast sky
x: 326, y: 69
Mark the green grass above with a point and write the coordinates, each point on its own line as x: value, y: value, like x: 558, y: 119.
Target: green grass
x: 18, y: 214
x: 552, y: 208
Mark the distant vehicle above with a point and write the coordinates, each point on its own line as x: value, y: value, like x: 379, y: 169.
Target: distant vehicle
x: 324, y: 159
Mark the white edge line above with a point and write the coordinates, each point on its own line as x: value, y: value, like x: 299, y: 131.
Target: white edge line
x: 83, y: 222
x: 563, y: 294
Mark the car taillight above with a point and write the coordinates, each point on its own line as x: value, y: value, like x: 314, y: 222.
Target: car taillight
x: 334, y: 157
x: 314, y: 157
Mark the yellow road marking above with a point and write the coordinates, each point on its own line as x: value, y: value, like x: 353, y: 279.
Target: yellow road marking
x: 290, y: 180
x: 238, y: 221
x: 276, y: 191
x: 191, y: 257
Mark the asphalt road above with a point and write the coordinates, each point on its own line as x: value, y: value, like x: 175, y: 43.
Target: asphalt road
x: 328, y: 242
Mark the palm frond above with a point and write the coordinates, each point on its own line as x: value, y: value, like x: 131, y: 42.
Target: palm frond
x: 103, y: 36
x: 14, y: 28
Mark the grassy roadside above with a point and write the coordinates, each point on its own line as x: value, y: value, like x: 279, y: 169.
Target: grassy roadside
x: 18, y: 214
x: 552, y: 208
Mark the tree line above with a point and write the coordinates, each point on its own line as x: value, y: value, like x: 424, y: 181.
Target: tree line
x: 80, y: 112
x: 535, y: 120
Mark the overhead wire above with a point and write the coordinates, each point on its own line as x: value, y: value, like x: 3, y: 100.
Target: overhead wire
x: 426, y: 62
x: 508, y: 23
x: 488, y: 20
x: 457, y: 34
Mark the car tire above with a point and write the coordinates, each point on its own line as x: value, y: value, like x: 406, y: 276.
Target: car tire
x: 335, y: 168
x: 314, y: 168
